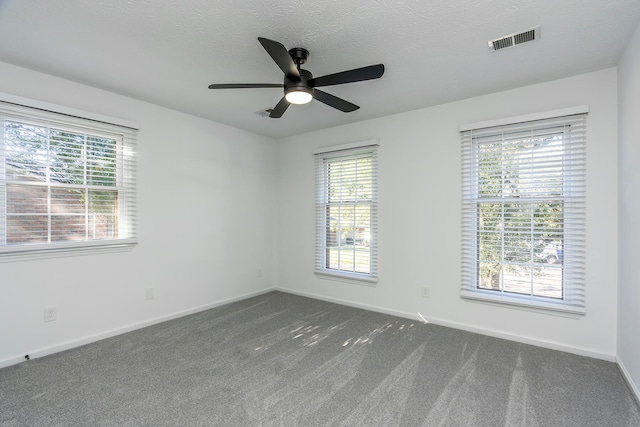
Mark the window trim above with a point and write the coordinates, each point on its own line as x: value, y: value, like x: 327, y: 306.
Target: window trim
x: 571, y: 111
x: 55, y: 250
x: 369, y: 146
x: 19, y: 108
x: 46, y: 108
x: 570, y: 304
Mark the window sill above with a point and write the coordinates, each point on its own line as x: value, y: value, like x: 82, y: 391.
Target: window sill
x: 359, y: 279
x: 34, y: 252
x: 524, y: 303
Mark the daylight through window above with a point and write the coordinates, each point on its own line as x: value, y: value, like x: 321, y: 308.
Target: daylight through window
x: 523, y: 213
x: 64, y: 183
x: 346, y: 212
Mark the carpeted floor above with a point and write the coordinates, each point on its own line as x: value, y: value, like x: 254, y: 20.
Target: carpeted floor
x: 279, y: 359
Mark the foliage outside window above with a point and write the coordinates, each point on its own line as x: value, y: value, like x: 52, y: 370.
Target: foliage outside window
x: 523, y: 213
x: 346, y: 212
x: 63, y: 185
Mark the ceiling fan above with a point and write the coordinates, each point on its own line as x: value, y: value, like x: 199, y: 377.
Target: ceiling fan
x: 300, y: 87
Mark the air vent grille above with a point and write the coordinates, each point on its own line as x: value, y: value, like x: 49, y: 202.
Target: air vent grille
x: 527, y: 36
x: 502, y: 43
x: 264, y: 113
x: 514, y: 39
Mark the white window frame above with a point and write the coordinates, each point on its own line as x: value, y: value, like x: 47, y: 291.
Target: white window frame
x: 37, y: 113
x: 573, y: 300
x: 323, y: 156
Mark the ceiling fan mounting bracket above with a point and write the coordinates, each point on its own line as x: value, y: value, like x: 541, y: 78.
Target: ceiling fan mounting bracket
x: 299, y: 55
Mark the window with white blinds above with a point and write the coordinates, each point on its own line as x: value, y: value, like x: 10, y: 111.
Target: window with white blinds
x: 67, y: 184
x: 523, y: 213
x: 346, y: 212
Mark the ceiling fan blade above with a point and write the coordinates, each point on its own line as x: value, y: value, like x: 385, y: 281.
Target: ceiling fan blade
x: 334, y: 101
x: 243, y: 85
x: 281, y: 57
x: 356, y: 75
x: 279, y: 109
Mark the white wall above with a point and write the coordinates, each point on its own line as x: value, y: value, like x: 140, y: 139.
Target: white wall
x: 206, y: 213
x: 419, y: 215
x: 629, y: 212
x: 198, y: 251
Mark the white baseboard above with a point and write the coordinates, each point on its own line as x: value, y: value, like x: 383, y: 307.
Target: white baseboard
x: 414, y: 316
x: 629, y: 380
x: 34, y: 354
x: 465, y: 327
x: 12, y: 361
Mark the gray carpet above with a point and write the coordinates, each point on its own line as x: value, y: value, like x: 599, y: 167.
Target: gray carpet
x: 280, y: 359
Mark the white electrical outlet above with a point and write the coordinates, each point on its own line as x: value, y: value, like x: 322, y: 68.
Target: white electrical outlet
x: 149, y: 294
x: 50, y: 313
x: 425, y: 292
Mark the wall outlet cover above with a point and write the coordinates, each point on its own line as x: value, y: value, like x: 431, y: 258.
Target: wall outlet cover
x: 50, y: 313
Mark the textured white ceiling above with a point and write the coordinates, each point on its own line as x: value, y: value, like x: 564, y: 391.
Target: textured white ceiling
x: 168, y: 51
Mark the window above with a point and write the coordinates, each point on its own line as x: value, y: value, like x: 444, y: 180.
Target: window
x: 523, y: 213
x: 66, y: 184
x: 346, y: 211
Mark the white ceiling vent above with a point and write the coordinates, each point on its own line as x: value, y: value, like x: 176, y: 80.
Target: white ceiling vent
x: 264, y: 113
x: 515, y: 39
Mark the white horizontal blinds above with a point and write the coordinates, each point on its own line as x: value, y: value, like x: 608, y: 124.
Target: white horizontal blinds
x: 346, y: 212
x: 64, y: 179
x: 524, y: 213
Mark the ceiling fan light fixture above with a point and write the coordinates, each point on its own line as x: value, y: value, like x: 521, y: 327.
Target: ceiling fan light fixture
x: 300, y: 87
x: 298, y: 95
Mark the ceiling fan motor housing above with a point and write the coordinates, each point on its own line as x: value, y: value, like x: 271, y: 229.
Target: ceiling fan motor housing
x: 302, y: 85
